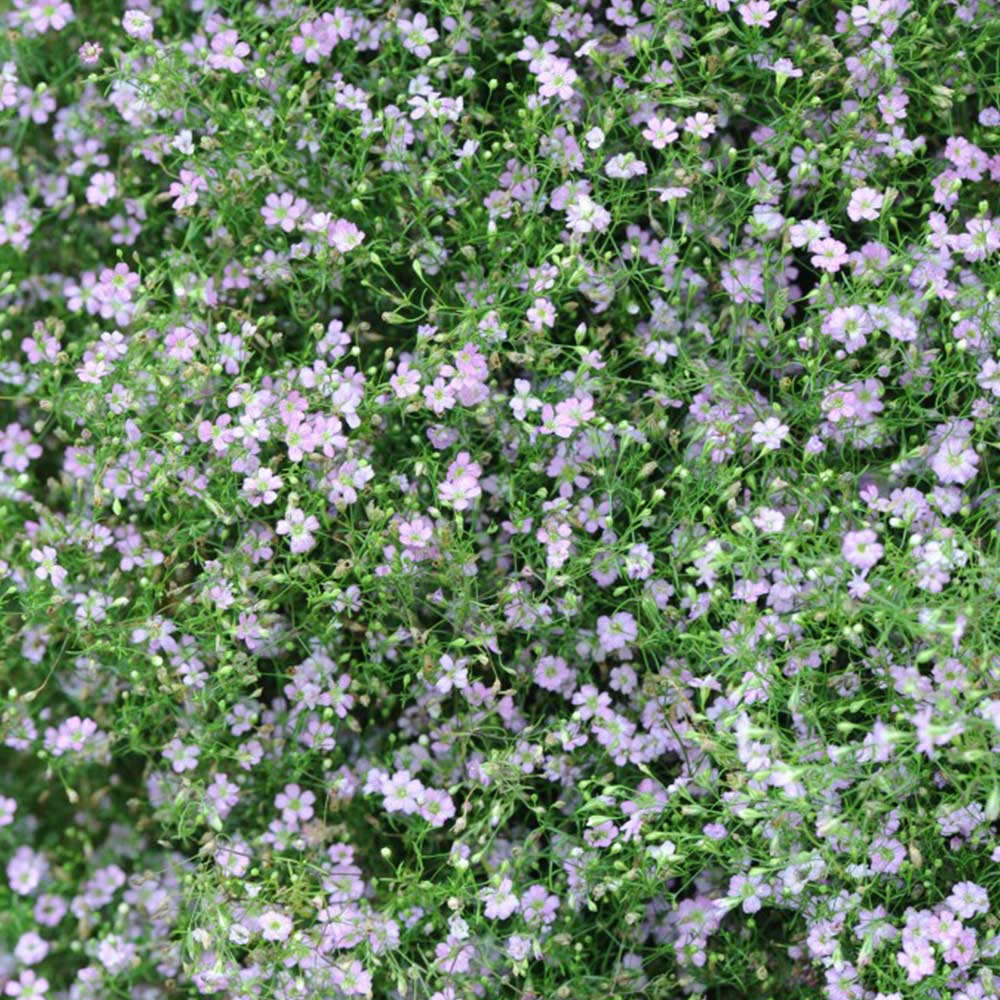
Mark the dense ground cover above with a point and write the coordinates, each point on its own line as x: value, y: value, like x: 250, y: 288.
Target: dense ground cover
x: 498, y: 499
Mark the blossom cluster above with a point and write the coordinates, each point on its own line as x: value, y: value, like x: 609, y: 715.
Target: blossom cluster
x: 499, y: 499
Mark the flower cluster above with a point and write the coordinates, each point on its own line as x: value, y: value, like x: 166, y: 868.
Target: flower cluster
x: 499, y: 499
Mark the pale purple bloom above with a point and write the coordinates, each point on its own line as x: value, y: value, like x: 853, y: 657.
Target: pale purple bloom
x: 417, y: 35
x: 295, y: 804
x: 500, y: 902
x: 756, y: 13
x: 955, y: 461
x: 74, y: 735
x: 436, y: 807
x: 25, y: 870
x: 102, y: 188
x: 865, y: 204
x: 769, y: 433
x: 262, y: 487
x: 27, y: 986
x: 31, y: 948
x: 862, y: 549
x: 138, y: 24
x: 274, y: 926
x: 969, y: 900
x: 539, y: 906
x: 48, y: 568
x: 183, y: 757
x: 769, y: 521
x: 659, y: 132
x: 228, y: 52
x: 616, y: 632
x: 886, y: 855
x: 584, y: 215
x: 283, y: 210
x: 918, y: 963
x: 828, y: 254
x: 299, y: 527
x: 344, y: 236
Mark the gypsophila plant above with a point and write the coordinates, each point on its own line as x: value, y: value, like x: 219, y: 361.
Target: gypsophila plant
x: 499, y: 499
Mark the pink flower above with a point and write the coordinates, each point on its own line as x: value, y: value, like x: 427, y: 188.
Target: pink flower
x: 31, y: 947
x: 182, y: 757
x: 102, y: 188
x: 181, y: 344
x: 660, y: 132
x: 541, y: 314
x: 756, y: 13
x: 353, y: 979
x: 981, y: 239
x: 802, y: 233
x: 500, y: 902
x: 417, y: 36
x: 862, y: 548
x: 438, y: 396
x: 48, y: 568
x: 138, y: 24
x: 769, y: 433
x: 454, y: 674
x: 568, y: 415
x: 185, y: 191
x: 840, y: 404
x: 968, y: 900
x: 283, y: 210
x: 295, y: 804
x: 274, y: 926
x: 437, y: 807
x: 459, y: 493
x: 616, y: 632
x: 51, y: 16
x: 262, y: 487
x: 398, y: 792
x: 299, y: 529
x: 700, y: 125
x: 228, y: 52
x: 918, y: 963
x: 769, y: 521
x: 553, y: 674
x: 828, y: 254
x: 17, y: 447
x: 539, y: 906
x: 27, y: 986
x: 405, y: 381
x: 556, y: 78
x: 316, y: 39
x: 90, y: 52
x: 865, y: 203
x: 344, y: 236
x: 584, y: 215
x: 784, y: 67
x: 955, y: 461
x: 73, y: 736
